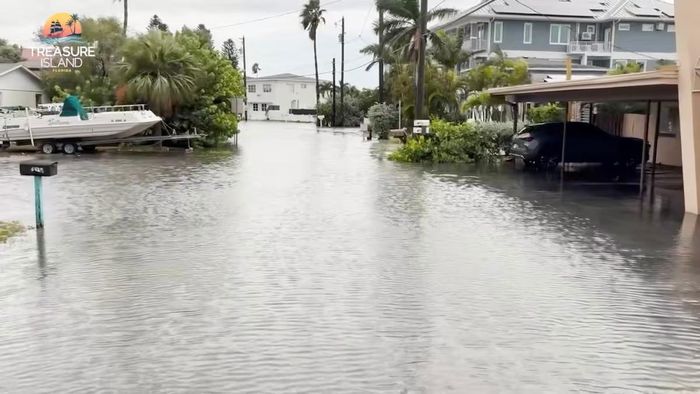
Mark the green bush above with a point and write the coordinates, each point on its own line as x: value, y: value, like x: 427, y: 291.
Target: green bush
x: 382, y: 119
x: 546, y: 114
x: 352, y: 113
x: 502, y: 132
x: 452, y: 143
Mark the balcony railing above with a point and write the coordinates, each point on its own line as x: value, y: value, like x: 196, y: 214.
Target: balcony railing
x: 475, y: 44
x: 589, y: 47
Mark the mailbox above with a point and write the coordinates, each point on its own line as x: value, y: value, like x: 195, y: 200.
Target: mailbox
x: 38, y: 168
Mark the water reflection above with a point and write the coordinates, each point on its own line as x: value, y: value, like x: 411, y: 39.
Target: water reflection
x: 307, y: 262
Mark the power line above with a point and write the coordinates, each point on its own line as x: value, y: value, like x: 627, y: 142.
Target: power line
x: 267, y: 17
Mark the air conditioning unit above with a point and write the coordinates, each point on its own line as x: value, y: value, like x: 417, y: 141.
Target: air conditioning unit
x: 660, y: 26
x: 587, y: 36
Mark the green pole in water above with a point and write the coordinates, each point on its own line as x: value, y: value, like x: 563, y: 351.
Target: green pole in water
x: 38, y: 203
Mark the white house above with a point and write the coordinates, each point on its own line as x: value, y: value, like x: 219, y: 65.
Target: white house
x: 282, y: 97
x: 19, y: 86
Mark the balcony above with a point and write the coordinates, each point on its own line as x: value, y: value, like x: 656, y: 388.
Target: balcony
x: 475, y: 44
x: 589, y: 47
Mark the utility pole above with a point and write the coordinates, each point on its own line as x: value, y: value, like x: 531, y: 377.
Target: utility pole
x: 420, y: 83
x: 380, y: 54
x: 342, y: 74
x: 245, y: 83
x: 333, y: 89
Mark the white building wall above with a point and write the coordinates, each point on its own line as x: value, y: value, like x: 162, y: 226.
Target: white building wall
x: 286, y: 94
x: 18, y: 88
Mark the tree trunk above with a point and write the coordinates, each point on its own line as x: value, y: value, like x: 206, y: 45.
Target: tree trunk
x: 318, y: 89
x: 380, y: 54
x: 126, y: 15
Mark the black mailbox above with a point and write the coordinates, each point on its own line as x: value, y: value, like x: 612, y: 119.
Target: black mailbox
x: 38, y: 168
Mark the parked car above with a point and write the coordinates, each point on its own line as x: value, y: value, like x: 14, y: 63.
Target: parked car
x: 540, y: 145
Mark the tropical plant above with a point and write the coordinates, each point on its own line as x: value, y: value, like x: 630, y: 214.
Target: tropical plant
x: 628, y: 68
x: 451, y: 143
x: 447, y: 49
x: 445, y: 87
x: 126, y: 15
x: 402, y: 27
x: 546, y: 113
x: 157, y: 23
x: 230, y: 52
x: 9, y: 53
x: 158, y: 71
x: 498, y: 71
x: 311, y: 18
x: 382, y: 118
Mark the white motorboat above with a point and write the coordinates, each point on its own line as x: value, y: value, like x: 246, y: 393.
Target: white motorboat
x: 74, y: 125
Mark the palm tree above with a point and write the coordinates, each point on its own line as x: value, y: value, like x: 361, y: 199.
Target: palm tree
x: 126, y: 14
x: 157, y: 71
x: 447, y: 49
x: 402, y: 27
x: 311, y: 17
x: 73, y: 22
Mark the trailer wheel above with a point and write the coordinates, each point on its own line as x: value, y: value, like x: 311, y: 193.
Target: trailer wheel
x: 69, y: 148
x: 48, y: 148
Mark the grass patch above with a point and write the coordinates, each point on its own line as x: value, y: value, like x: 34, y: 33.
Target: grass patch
x: 10, y: 229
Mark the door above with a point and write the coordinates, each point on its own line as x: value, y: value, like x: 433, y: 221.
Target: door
x: 607, y: 33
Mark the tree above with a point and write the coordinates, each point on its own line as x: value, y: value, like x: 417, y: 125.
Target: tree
x: 73, y: 22
x: 157, y: 23
x: 9, y: 53
x: 158, y: 71
x: 498, y: 71
x: 311, y: 18
x: 401, y: 28
x: 447, y: 49
x: 217, y: 82
x: 230, y: 52
x: 126, y: 15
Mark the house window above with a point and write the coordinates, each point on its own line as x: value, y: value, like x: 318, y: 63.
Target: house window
x: 267, y: 88
x: 671, y: 28
x: 255, y: 107
x: 623, y: 27
x: 648, y: 27
x: 559, y: 34
x: 498, y: 32
x: 251, y: 89
x: 590, y: 29
x: 303, y: 86
x: 670, y: 121
x: 264, y: 107
x: 527, y: 33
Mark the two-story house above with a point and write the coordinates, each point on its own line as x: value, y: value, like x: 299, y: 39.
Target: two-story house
x: 283, y: 97
x: 595, y: 34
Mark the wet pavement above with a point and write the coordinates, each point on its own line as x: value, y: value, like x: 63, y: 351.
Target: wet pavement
x: 307, y: 262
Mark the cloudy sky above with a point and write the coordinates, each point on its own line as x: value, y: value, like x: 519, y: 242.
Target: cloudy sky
x: 278, y: 44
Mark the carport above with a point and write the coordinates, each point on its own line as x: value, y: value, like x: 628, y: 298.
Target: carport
x: 653, y: 88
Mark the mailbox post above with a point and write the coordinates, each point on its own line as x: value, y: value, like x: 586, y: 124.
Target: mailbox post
x: 38, y: 169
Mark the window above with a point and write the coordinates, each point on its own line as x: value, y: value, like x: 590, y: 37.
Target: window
x: 671, y: 28
x: 255, y: 107
x: 273, y: 107
x: 303, y: 86
x: 251, y: 89
x: 559, y: 34
x: 267, y: 88
x: 498, y: 32
x: 264, y: 107
x: 670, y: 122
x: 623, y: 27
x: 648, y: 27
x: 590, y: 29
x: 527, y: 33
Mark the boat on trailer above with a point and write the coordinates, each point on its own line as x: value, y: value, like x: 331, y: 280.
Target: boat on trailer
x: 75, y: 125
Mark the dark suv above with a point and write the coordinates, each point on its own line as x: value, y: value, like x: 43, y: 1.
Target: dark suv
x: 540, y: 145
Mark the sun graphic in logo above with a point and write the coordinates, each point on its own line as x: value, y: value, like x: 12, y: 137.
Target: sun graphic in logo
x: 61, y: 28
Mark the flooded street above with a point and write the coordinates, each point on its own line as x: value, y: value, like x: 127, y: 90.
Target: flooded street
x: 306, y: 262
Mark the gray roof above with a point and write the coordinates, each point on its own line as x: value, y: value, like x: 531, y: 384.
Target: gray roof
x: 8, y: 67
x: 284, y: 77
x: 598, y: 10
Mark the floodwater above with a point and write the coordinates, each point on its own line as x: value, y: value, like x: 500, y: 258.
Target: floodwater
x: 306, y: 262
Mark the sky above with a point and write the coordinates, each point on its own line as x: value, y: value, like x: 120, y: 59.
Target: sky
x: 277, y: 44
